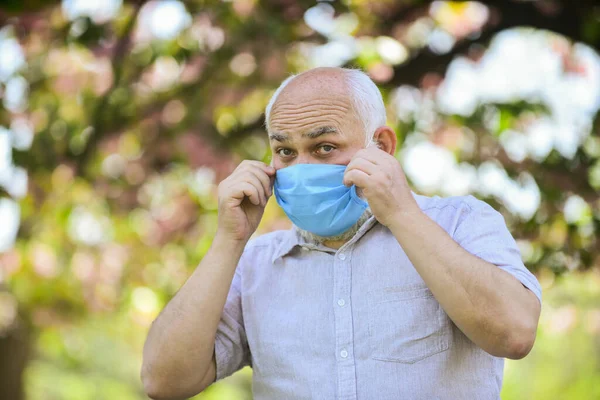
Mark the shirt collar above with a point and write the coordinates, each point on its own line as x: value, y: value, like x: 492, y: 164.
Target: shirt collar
x: 292, y: 237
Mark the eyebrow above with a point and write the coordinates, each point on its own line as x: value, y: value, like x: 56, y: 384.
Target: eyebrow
x: 323, y: 130
x: 315, y: 133
x: 280, y: 137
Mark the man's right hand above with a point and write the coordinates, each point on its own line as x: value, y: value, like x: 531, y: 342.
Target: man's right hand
x: 243, y: 196
x: 179, y: 351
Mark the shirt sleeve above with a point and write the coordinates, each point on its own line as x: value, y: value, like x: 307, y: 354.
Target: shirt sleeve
x: 231, y: 344
x: 483, y: 233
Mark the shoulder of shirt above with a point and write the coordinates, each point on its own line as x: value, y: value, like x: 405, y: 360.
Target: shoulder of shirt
x: 270, y: 246
x: 463, y: 204
x: 269, y: 241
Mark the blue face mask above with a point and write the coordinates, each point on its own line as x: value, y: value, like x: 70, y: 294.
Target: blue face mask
x: 315, y: 199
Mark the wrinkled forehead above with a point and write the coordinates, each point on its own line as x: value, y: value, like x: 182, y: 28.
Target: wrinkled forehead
x: 313, y: 103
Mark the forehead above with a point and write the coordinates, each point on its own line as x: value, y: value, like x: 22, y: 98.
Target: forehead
x: 310, y: 102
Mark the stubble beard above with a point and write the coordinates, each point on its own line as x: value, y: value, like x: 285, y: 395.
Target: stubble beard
x: 344, y: 236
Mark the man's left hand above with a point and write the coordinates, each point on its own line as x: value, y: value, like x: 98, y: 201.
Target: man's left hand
x: 383, y: 183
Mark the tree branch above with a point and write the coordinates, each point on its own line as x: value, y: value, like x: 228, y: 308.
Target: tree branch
x: 512, y: 14
x: 98, y: 123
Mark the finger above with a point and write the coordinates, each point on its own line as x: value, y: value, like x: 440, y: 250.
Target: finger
x: 246, y: 189
x: 269, y: 170
x: 356, y: 177
x: 373, y: 154
x: 254, y: 168
x: 250, y: 177
x: 264, y: 179
x: 363, y: 165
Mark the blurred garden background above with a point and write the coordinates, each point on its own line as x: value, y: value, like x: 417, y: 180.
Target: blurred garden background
x: 119, y: 118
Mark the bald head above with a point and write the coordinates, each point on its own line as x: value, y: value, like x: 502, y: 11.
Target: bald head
x: 324, y: 115
x: 328, y: 82
x: 342, y: 92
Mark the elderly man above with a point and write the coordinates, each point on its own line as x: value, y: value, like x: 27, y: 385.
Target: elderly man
x: 375, y: 293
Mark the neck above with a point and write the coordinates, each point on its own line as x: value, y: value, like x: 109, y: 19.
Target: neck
x: 335, y: 242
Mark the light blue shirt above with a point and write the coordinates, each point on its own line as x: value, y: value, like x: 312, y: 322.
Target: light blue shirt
x: 360, y: 322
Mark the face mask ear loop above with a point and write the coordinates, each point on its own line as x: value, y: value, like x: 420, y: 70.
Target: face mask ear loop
x: 372, y: 143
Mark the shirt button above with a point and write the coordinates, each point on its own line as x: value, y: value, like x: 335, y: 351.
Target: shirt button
x: 341, y: 302
x: 342, y: 256
x: 344, y: 353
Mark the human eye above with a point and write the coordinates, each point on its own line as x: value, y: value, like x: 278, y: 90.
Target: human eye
x: 325, y: 149
x: 284, y: 153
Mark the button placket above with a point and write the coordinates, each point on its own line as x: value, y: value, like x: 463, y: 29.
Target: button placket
x: 346, y: 368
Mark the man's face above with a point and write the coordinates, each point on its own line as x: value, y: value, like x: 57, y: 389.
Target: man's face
x: 313, y: 122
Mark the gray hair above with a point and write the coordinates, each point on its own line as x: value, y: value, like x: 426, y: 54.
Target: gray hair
x: 366, y: 99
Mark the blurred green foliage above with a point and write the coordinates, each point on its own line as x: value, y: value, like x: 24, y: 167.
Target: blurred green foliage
x: 564, y: 363
x: 133, y: 123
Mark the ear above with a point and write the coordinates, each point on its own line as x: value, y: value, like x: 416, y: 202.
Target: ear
x: 386, y: 139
